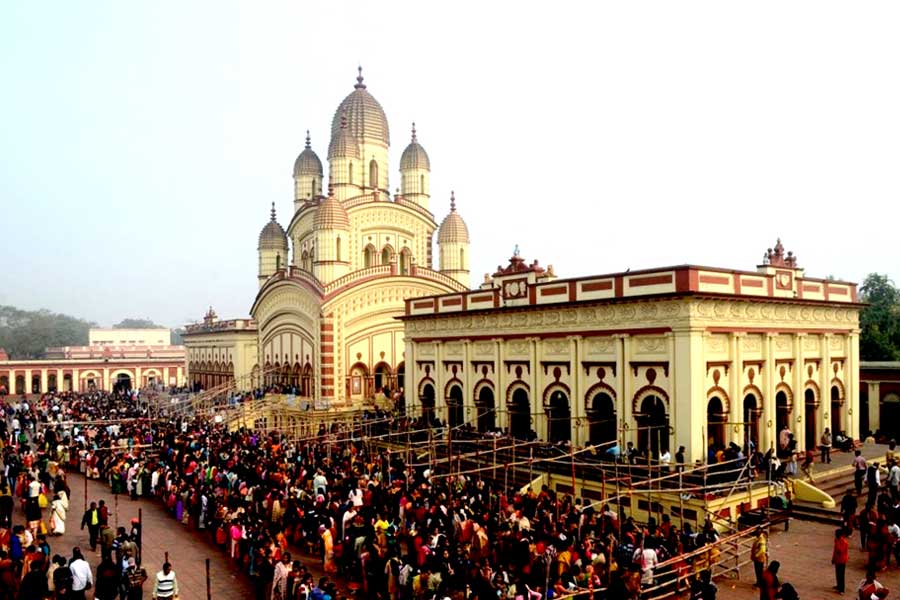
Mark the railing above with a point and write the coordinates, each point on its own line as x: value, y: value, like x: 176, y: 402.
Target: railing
x: 360, y: 274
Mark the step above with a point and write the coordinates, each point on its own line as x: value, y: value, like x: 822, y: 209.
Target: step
x: 816, y: 514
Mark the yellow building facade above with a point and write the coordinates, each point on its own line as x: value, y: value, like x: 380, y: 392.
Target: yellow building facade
x: 680, y: 356
x: 332, y: 283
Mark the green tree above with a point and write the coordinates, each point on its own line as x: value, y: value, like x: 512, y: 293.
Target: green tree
x: 26, y: 334
x: 880, y: 320
x: 137, y: 324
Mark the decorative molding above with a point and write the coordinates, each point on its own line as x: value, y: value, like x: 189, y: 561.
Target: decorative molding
x: 589, y: 364
x: 546, y: 364
x: 726, y: 364
x: 637, y: 364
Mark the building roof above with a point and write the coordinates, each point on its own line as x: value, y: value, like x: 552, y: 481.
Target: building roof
x: 308, y: 162
x: 365, y: 117
x: 331, y: 214
x: 343, y: 144
x: 453, y: 228
x: 272, y: 236
x: 414, y: 156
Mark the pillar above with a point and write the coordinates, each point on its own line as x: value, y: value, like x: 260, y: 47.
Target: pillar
x: 688, y: 400
x: 579, y: 417
x: 539, y: 417
x: 137, y: 383
x: 12, y: 381
x: 851, y: 404
x: 825, y: 385
x: 76, y: 380
x: 179, y: 376
x: 45, y: 380
x: 769, y: 427
x: 874, y: 408
x: 501, y: 381
x: 166, y: 377
x: 624, y: 390
x: 735, y: 432
x: 798, y: 416
x: 60, y: 381
x: 106, y: 385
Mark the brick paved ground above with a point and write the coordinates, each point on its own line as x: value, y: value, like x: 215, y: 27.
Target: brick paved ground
x: 187, y: 549
x: 805, y: 556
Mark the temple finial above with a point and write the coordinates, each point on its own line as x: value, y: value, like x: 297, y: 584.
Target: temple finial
x: 516, y: 250
x: 307, y: 140
x: 273, y: 212
x: 359, y: 79
x: 452, y: 201
x: 414, y: 140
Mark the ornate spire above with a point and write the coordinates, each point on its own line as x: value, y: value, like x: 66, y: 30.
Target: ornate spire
x: 359, y: 80
x: 273, y: 212
x: 308, y: 145
x: 452, y: 201
x: 414, y: 140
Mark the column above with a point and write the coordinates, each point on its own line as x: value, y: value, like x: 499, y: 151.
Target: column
x: 579, y: 416
x: 106, y: 385
x: 60, y: 381
x: 851, y: 403
x: 626, y: 387
x: 11, y: 377
x: 537, y: 400
x: 734, y: 431
x: 45, y: 380
x: 179, y: 375
x: 166, y: 378
x: 137, y: 383
x: 769, y: 425
x: 440, y: 403
x: 798, y: 416
x: 470, y: 410
x: 688, y: 400
x: 28, y: 388
x: 874, y: 408
x: 76, y: 380
x: 500, y: 381
x: 825, y: 386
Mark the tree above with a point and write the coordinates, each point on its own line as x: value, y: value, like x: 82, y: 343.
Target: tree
x: 880, y: 320
x: 27, y: 334
x: 137, y: 324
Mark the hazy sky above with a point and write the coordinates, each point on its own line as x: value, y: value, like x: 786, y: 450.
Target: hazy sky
x: 141, y: 144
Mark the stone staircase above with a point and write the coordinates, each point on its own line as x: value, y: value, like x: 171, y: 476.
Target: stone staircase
x: 835, y: 483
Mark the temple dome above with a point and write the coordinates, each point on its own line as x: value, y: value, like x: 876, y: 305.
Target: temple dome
x: 453, y: 228
x: 331, y: 214
x: 308, y: 162
x: 343, y: 144
x: 272, y: 236
x: 414, y: 156
x: 365, y: 117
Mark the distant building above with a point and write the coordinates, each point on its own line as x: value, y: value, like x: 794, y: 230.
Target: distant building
x: 102, y: 365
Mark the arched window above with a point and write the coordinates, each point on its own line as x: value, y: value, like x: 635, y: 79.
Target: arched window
x: 304, y: 260
x: 373, y: 173
x: 277, y: 262
x: 386, y: 255
x: 369, y: 256
x: 404, y: 261
x: 337, y: 249
x: 350, y: 173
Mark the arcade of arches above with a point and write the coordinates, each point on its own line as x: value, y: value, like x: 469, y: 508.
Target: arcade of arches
x: 44, y: 376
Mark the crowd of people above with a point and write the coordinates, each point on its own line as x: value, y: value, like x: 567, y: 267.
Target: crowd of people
x: 377, y: 522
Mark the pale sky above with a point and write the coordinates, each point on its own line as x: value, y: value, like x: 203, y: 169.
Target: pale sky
x: 141, y: 144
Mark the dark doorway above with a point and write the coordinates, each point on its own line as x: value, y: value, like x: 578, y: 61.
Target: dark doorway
x: 486, y: 410
x: 751, y: 421
x: 560, y: 418
x: 602, y: 416
x: 783, y: 411
x: 520, y: 415
x: 123, y: 383
x: 455, y: 407
x: 835, y: 410
x: 811, y: 416
x: 427, y: 400
x: 715, y: 423
x: 653, y: 426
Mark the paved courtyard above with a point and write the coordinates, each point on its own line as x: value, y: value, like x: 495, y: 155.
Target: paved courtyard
x: 187, y: 549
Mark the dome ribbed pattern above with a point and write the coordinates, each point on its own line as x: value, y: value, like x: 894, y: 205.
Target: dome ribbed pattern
x: 365, y: 117
x: 343, y: 144
x: 308, y: 162
x: 272, y: 236
x: 414, y: 157
x: 331, y: 214
x: 453, y: 228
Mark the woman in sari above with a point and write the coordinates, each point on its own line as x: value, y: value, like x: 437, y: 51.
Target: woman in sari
x: 58, y: 510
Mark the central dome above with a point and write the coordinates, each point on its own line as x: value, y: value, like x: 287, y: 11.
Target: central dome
x: 365, y: 117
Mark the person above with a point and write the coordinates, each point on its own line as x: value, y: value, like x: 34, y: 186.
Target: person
x: 280, y: 579
x: 91, y: 520
x: 166, y: 585
x: 825, y: 442
x: 34, y: 584
x: 894, y: 479
x: 62, y: 578
x: 808, y: 460
x: 848, y: 508
x: 107, y: 538
x: 57, y: 515
x: 840, y: 556
x: 703, y: 588
x: 108, y: 580
x: 870, y: 588
x: 859, y: 471
x: 82, y: 579
x: 665, y: 460
x: 787, y: 592
x: 770, y: 583
x: 133, y: 580
x: 759, y: 554
x: 873, y: 481
x: 679, y: 459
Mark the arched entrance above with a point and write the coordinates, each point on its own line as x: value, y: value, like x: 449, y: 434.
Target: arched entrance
x: 520, y: 414
x: 123, y: 383
x: 486, y: 410
x: 35, y: 384
x: 836, y: 402
x: 427, y: 400
x: 382, y: 377
x: 715, y: 423
x: 455, y: 406
x: 4, y: 384
x: 653, y: 425
x: 811, y: 416
x: 20, y: 384
x: 782, y: 411
x: 401, y: 376
x: 52, y: 384
x: 359, y: 375
x: 559, y: 416
x: 751, y: 414
x: 602, y: 416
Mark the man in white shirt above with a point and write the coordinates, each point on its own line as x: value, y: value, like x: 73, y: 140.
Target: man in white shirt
x: 81, y: 574
x: 166, y: 585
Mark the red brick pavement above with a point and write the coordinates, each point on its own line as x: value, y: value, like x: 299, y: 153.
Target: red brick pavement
x: 187, y: 548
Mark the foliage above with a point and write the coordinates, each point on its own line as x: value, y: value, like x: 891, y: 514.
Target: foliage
x: 137, y: 324
x: 880, y: 320
x: 25, y: 334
